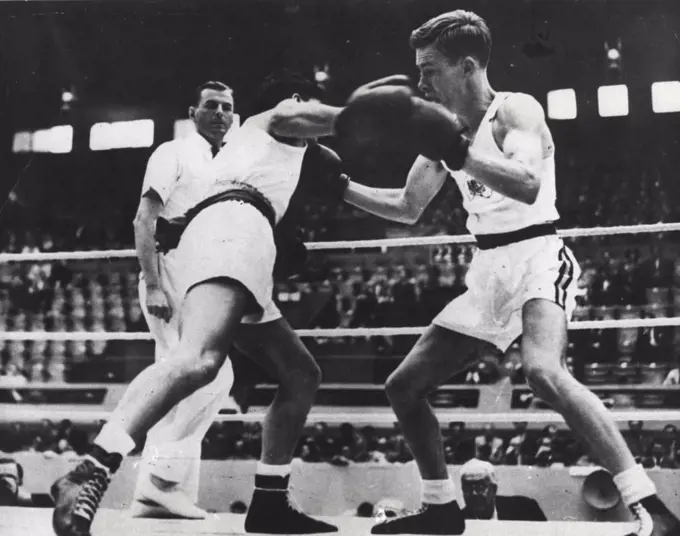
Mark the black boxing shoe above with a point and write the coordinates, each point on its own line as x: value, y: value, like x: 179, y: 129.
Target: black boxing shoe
x: 273, y: 511
x: 444, y: 519
x: 653, y: 518
x: 77, y: 494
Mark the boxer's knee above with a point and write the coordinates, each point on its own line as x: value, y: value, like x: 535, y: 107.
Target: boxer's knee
x: 547, y: 380
x: 400, y: 388
x: 304, y: 380
x: 198, y: 367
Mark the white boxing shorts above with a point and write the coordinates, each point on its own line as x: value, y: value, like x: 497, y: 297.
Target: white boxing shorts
x: 231, y: 239
x: 501, y: 280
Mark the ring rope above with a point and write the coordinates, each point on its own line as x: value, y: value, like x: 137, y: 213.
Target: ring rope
x: 628, y: 323
x: 352, y: 244
x: 32, y: 413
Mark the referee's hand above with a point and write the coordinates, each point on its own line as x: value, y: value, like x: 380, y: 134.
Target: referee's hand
x: 157, y: 303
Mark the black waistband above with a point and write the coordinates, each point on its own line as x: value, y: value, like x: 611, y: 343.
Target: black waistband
x: 169, y: 233
x: 491, y: 241
x: 244, y: 193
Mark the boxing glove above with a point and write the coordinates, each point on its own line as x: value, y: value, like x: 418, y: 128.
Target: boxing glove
x: 438, y: 134
x: 291, y: 252
x: 387, y: 109
x: 375, y: 113
x: 321, y: 174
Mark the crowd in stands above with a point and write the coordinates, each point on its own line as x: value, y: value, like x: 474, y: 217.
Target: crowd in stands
x: 346, y: 444
x: 635, y: 281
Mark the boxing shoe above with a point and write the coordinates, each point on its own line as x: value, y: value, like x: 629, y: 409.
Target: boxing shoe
x: 429, y: 519
x: 153, y: 502
x: 77, y: 495
x: 653, y: 518
x: 273, y: 511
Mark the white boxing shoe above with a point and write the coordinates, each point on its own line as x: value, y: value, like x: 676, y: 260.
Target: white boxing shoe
x: 152, y: 502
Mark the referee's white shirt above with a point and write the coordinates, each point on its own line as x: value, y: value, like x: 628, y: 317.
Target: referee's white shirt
x: 175, y: 172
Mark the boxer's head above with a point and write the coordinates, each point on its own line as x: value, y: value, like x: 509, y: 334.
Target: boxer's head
x: 452, y: 53
x: 286, y: 84
x: 213, y: 111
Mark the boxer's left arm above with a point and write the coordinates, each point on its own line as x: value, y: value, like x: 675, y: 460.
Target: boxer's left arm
x: 299, y: 119
x: 522, y: 121
x: 404, y: 205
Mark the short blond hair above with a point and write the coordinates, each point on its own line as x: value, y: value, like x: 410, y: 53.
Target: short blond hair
x: 455, y: 34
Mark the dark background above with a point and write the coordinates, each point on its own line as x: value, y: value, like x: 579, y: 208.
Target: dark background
x: 130, y: 60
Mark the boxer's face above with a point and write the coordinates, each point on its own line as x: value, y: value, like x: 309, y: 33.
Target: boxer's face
x: 441, y: 80
x: 213, y: 114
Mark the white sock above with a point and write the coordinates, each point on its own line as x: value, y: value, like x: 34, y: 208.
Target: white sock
x: 438, y: 491
x: 114, y: 439
x: 273, y: 470
x: 634, y: 484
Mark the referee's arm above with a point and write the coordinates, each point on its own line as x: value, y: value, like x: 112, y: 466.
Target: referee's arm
x: 150, y: 206
x: 161, y: 175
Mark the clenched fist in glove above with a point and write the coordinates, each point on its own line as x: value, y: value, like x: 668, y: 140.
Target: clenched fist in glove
x: 388, y: 110
x: 321, y: 173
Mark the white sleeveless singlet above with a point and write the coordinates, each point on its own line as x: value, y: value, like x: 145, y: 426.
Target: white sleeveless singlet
x: 490, y: 212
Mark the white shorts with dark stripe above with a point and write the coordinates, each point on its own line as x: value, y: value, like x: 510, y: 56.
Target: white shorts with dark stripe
x: 501, y: 280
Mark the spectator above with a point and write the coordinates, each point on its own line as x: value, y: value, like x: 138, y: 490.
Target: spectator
x: 521, y: 448
x: 12, y: 376
x: 653, y: 344
x: 11, y: 492
x: 479, y: 484
x: 673, y: 377
x: 489, y: 446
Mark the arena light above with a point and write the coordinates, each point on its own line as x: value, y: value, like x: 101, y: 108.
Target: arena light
x: 562, y: 104
x: 614, y: 56
x: 22, y: 142
x: 666, y: 97
x: 57, y: 139
x: 612, y: 101
x: 121, y: 135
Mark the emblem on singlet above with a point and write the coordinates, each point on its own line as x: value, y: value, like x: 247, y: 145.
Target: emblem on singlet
x: 478, y: 189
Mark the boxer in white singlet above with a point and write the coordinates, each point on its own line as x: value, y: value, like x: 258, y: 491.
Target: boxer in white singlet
x: 226, y: 258
x: 521, y: 281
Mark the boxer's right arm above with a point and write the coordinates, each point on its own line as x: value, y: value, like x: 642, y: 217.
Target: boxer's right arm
x: 299, y: 119
x: 406, y: 204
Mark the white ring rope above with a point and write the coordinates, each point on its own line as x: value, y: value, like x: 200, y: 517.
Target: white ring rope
x: 36, y: 413
x: 628, y: 323
x: 351, y: 244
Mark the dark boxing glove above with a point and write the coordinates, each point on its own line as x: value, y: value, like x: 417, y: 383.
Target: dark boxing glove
x: 438, y: 134
x: 387, y: 109
x: 321, y: 174
x: 375, y: 112
x: 291, y: 252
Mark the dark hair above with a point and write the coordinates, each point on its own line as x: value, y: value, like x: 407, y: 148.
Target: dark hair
x: 281, y: 85
x: 212, y: 84
x: 455, y: 34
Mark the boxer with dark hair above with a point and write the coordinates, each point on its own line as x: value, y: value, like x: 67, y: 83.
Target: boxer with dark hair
x: 226, y: 257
